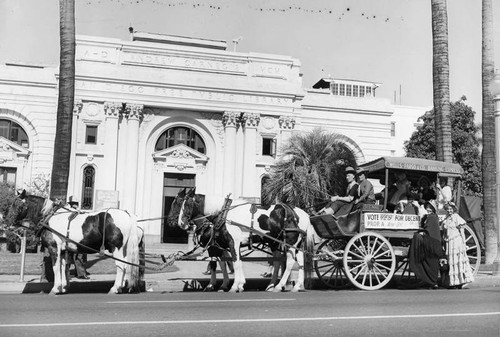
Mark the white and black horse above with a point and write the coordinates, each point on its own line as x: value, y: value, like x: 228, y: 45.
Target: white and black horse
x: 65, y: 229
x: 279, y: 221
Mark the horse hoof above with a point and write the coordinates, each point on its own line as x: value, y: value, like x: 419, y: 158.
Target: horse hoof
x: 270, y: 287
x: 112, y: 291
x: 233, y: 290
x: 278, y: 289
x: 209, y: 288
x: 223, y: 289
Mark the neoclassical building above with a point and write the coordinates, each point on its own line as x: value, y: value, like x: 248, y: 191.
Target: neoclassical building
x: 158, y: 113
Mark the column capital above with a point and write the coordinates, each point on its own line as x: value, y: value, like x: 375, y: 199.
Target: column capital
x: 134, y: 111
x: 77, y: 107
x: 286, y: 122
x: 231, y: 118
x: 250, y: 120
x: 112, y: 109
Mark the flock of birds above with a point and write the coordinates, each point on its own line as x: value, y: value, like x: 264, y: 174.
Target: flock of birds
x: 267, y: 9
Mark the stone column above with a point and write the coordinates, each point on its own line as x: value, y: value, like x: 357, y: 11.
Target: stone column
x: 121, y: 167
x: 77, y: 109
x: 230, y: 120
x: 250, y: 121
x: 238, y: 160
x: 111, y: 114
x: 134, y: 114
x: 287, y: 124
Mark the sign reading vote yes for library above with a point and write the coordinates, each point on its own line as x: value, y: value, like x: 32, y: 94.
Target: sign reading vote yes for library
x: 391, y: 221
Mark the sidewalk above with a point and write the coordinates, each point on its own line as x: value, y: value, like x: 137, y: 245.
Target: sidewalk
x: 184, y: 276
x: 180, y: 277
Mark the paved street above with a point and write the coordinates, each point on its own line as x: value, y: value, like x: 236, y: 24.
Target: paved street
x: 468, y: 312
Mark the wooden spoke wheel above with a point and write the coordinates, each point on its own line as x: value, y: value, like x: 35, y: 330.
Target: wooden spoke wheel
x: 473, y: 249
x: 369, y: 261
x: 328, y: 264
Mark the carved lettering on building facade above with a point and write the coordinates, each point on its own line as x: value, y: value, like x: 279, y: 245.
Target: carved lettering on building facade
x: 182, y: 93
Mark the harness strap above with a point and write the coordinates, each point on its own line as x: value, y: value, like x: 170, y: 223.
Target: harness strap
x: 71, y: 217
x: 269, y: 237
x: 101, y: 250
x: 221, y: 219
x: 253, y: 210
x: 78, y: 244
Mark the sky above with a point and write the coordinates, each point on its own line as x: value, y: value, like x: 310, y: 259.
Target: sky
x: 383, y: 41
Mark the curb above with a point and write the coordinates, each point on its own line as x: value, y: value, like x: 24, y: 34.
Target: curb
x: 169, y: 285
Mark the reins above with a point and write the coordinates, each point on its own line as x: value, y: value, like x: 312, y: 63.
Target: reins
x: 90, y: 248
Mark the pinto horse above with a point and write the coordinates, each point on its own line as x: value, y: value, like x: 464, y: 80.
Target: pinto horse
x: 284, y: 223
x: 64, y: 229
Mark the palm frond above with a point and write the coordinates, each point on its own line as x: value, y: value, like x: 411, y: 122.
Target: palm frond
x: 310, y: 170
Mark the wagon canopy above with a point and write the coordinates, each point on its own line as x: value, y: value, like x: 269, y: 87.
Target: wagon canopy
x: 376, y: 168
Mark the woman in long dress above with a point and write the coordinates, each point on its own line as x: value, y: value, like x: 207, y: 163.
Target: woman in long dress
x: 460, y: 271
x: 426, y: 248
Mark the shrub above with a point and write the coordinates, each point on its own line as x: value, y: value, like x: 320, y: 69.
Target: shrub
x: 13, y: 234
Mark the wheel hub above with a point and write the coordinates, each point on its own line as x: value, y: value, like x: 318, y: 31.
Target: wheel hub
x: 370, y: 261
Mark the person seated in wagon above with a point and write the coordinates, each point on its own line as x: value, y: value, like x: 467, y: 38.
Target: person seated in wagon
x: 366, y: 192
x: 343, y: 205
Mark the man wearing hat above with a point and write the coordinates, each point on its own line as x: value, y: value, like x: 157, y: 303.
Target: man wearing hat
x: 366, y: 192
x: 351, y: 194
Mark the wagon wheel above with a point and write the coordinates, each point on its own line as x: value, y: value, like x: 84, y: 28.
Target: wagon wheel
x: 473, y: 249
x: 329, y: 269
x: 369, y: 261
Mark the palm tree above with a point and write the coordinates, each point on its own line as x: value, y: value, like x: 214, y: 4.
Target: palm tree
x: 311, y: 169
x: 488, y: 128
x: 62, y: 142
x: 441, y: 80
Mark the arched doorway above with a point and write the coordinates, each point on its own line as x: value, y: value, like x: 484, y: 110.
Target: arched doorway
x: 174, y: 181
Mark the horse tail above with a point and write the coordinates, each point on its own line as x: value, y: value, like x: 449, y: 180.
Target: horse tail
x: 132, y: 274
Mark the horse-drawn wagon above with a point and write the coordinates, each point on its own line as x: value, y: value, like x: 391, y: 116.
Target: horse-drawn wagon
x: 368, y: 246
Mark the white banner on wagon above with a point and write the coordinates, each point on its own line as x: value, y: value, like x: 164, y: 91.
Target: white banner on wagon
x: 391, y: 221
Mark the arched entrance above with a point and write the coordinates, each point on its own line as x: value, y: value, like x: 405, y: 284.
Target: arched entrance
x: 176, y: 146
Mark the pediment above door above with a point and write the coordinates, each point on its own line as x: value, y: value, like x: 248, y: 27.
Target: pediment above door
x: 11, y: 151
x: 181, y: 157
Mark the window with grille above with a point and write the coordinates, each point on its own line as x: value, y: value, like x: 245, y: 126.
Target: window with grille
x: 13, y: 132
x: 342, y: 89
x: 348, y: 90
x: 355, y: 90
x: 264, y: 181
x: 88, y: 187
x: 181, y: 135
x: 335, y: 89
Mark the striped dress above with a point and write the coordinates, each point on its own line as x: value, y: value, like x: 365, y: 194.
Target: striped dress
x: 453, y: 235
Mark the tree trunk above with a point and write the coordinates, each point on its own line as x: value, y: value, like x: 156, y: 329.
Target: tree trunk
x: 62, y: 142
x: 441, y: 80
x: 488, y: 158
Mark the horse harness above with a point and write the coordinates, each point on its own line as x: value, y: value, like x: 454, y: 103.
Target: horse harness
x: 289, y: 212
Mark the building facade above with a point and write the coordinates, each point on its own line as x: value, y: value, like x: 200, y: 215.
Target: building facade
x: 158, y: 113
